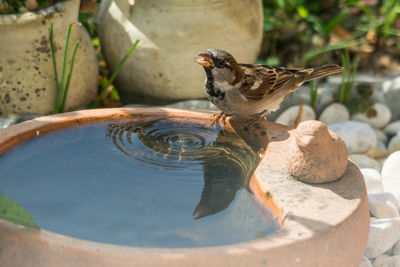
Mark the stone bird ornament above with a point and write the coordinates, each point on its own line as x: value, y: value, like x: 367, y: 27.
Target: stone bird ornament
x: 247, y: 90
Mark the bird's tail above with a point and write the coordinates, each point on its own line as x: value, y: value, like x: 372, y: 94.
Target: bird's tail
x: 318, y: 72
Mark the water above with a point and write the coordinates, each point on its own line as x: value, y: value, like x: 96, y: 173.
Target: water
x: 141, y: 182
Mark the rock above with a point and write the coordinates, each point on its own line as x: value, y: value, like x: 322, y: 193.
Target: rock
x: 383, y: 234
x: 302, y: 95
x: 394, y: 143
x: 363, y: 161
x: 393, y: 128
x: 387, y: 261
x: 383, y: 205
x: 390, y: 174
x: 155, y: 79
x: 381, y: 161
x: 288, y: 117
x: 358, y: 136
x: 318, y: 155
x: 373, y: 180
x: 5, y: 122
x: 333, y: 113
x: 378, y: 151
x: 391, y: 93
x: 381, y: 135
x: 14, y: 119
x: 382, y: 118
x: 365, y: 262
x: 396, y: 248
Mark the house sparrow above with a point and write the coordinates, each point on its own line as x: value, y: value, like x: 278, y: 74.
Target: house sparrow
x: 246, y: 90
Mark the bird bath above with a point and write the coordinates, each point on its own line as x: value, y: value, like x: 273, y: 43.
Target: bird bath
x: 145, y: 187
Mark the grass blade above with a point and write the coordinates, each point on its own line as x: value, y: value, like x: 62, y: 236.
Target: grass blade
x: 340, y: 45
x: 53, y: 56
x: 65, y: 59
x: 334, y: 22
x: 114, y: 75
x: 69, y: 76
x: 313, y: 93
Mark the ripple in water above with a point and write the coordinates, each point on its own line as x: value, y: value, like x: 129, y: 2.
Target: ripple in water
x: 151, y: 182
x: 160, y: 143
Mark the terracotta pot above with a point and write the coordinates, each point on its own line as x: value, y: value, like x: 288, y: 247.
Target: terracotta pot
x: 171, y: 34
x: 325, y: 225
x: 27, y: 84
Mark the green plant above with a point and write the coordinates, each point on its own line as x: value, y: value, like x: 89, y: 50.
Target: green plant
x: 381, y: 20
x: 313, y: 32
x: 62, y: 85
x: 313, y: 93
x: 11, y: 211
x: 348, y: 76
x: 105, y: 84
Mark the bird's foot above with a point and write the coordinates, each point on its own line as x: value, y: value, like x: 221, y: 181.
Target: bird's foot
x: 216, y: 117
x: 264, y: 114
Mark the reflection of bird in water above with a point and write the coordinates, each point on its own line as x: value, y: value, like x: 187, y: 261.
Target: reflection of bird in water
x: 225, y: 174
x: 228, y: 162
x: 221, y: 182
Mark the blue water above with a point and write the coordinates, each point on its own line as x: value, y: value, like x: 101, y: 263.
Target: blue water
x: 137, y: 184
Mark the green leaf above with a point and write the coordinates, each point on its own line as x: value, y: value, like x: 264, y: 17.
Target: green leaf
x: 340, y: 45
x: 64, y: 100
x: 302, y: 11
x: 114, y: 94
x: 389, y: 19
x: 334, y: 22
x: 96, y: 41
x: 11, y: 211
x: 114, y: 75
x: 272, y: 61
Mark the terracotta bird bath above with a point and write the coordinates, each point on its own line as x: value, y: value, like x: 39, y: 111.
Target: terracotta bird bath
x: 302, y: 223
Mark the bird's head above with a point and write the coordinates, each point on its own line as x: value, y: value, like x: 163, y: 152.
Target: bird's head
x: 216, y: 58
x: 221, y: 64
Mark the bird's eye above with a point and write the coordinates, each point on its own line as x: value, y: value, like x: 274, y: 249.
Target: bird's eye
x: 219, y: 63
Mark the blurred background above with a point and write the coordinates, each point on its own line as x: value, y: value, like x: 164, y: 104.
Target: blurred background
x: 306, y: 33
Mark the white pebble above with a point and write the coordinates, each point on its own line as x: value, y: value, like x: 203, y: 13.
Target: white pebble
x: 391, y: 174
x: 387, y: 261
x: 391, y: 93
x: 288, y: 117
x: 381, y: 162
x: 383, y: 234
x: 363, y: 161
x: 383, y: 205
x: 373, y: 180
x: 393, y: 128
x: 333, y: 113
x: 382, y: 118
x: 381, y: 135
x: 394, y: 143
x: 358, y: 136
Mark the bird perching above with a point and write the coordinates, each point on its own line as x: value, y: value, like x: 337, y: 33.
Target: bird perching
x: 252, y: 90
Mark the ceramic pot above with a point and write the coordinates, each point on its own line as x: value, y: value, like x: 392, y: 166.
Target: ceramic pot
x: 27, y: 81
x: 172, y: 33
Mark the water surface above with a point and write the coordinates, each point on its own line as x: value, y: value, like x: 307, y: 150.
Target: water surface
x: 139, y: 182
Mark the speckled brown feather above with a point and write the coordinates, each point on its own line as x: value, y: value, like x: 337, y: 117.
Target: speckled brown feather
x: 272, y: 78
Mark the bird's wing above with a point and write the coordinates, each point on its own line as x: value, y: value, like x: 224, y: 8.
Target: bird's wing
x: 260, y: 80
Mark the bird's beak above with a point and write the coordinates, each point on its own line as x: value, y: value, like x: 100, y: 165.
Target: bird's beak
x: 205, y: 60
